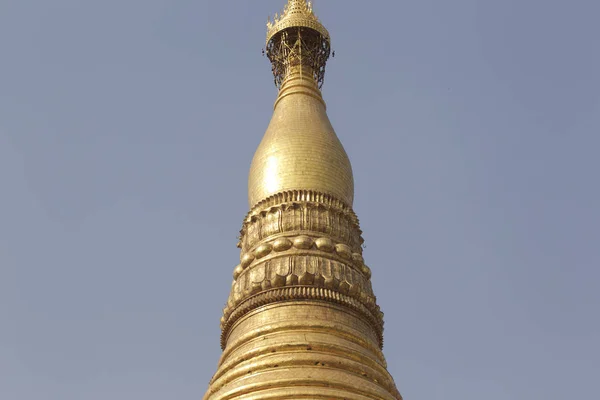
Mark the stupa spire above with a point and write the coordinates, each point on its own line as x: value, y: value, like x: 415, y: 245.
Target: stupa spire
x: 301, y: 321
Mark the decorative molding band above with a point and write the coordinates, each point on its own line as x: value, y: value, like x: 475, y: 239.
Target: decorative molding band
x: 300, y: 269
x: 309, y: 196
x: 301, y: 239
x: 296, y: 293
x: 301, y: 211
x: 303, y: 243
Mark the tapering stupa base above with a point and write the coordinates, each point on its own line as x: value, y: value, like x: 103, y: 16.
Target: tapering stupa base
x: 302, y: 349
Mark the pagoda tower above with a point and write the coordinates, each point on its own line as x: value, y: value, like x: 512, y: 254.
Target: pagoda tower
x: 301, y: 321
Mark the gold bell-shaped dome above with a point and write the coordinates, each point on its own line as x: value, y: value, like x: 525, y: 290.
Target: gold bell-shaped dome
x: 300, y: 150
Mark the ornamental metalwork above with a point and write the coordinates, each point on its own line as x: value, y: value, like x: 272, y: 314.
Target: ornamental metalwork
x: 298, y: 49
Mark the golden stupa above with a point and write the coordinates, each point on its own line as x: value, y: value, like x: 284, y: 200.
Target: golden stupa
x: 301, y: 321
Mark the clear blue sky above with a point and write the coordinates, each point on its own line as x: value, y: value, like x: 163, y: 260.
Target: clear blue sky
x: 126, y: 133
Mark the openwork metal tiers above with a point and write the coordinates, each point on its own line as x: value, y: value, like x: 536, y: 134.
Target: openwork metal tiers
x: 301, y: 49
x: 297, y: 41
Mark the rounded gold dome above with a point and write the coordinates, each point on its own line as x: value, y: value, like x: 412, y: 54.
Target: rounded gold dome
x: 300, y: 150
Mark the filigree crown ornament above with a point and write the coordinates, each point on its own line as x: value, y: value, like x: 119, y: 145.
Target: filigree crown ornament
x: 297, y: 41
x: 297, y: 13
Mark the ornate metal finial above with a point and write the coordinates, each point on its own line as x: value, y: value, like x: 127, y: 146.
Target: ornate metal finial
x: 297, y: 39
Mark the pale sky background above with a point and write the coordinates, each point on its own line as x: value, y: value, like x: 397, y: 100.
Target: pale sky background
x: 126, y: 133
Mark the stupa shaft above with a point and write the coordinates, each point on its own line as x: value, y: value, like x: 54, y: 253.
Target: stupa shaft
x: 301, y: 321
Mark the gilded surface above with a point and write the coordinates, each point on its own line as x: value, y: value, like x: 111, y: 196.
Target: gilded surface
x: 301, y: 321
x: 297, y: 41
x: 300, y: 149
x: 301, y: 210
x: 297, y: 13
